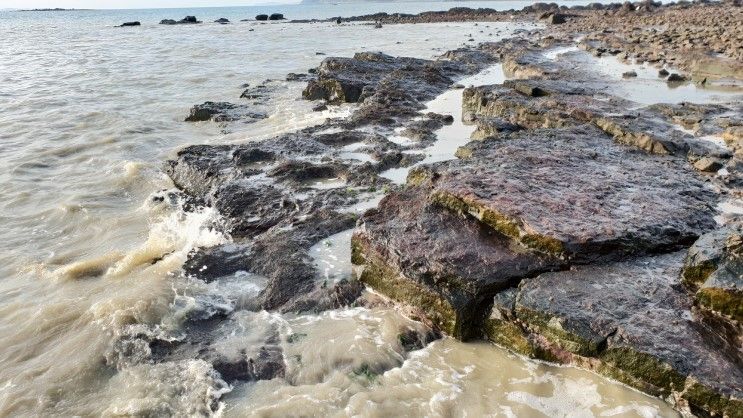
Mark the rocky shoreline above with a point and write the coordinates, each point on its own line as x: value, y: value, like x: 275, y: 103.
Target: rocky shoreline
x: 576, y: 227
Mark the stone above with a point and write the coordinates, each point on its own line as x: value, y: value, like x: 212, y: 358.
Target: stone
x: 565, y: 192
x: 125, y: 24
x: 276, y: 16
x: 412, y: 252
x: 676, y: 78
x: 223, y: 112
x: 261, y: 17
x: 630, y: 321
x: 556, y: 19
x: 663, y: 73
x: 708, y: 164
x: 222, y: 20
x: 713, y: 269
x: 629, y: 74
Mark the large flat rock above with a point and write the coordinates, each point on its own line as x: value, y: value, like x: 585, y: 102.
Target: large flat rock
x: 632, y: 321
x: 445, y: 264
x: 575, y: 193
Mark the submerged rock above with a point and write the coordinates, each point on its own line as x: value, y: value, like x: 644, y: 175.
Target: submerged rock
x: 185, y: 20
x: 222, y: 112
x: 125, y: 24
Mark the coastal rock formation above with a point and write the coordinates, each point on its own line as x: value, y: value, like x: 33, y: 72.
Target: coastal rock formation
x: 412, y: 252
x: 565, y: 192
x: 578, y: 227
x: 714, y: 271
x: 185, y: 20
x: 629, y: 320
x: 222, y: 112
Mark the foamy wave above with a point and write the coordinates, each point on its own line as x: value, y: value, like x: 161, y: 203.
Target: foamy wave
x: 172, y: 238
x: 184, y: 388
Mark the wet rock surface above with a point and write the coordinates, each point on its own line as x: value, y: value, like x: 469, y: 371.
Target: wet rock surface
x: 566, y: 192
x: 223, y: 112
x: 413, y: 251
x: 636, y: 319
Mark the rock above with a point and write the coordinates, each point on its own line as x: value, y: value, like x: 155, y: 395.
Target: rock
x: 630, y: 321
x: 185, y: 20
x: 261, y: 17
x: 714, y: 270
x: 577, y: 204
x: 125, y: 24
x: 222, y: 112
x: 266, y: 365
x: 412, y: 252
x: 556, y: 19
x: 222, y: 20
x: 351, y: 80
x: 561, y: 103
x: 708, y: 164
x: 320, y: 107
x: 675, y: 78
x: 663, y: 73
x: 377, y: 25
x: 276, y: 16
x: 629, y: 74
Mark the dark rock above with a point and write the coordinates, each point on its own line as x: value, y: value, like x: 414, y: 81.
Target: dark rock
x: 276, y: 16
x: 629, y: 74
x: 222, y: 112
x: 577, y: 204
x: 676, y: 78
x: 320, y: 107
x: 267, y: 364
x: 663, y: 73
x: 261, y: 17
x: 125, y: 24
x: 556, y: 19
x: 635, y: 319
x: 185, y: 20
x: 222, y: 20
x: 412, y: 252
x: 714, y: 270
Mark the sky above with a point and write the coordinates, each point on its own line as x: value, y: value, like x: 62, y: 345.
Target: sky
x: 129, y: 4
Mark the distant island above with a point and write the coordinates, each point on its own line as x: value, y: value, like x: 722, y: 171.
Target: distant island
x: 56, y: 9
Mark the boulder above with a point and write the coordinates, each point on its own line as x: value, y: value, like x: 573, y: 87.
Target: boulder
x: 222, y: 112
x: 276, y: 16
x: 565, y: 192
x: 630, y: 321
x: 413, y: 252
x: 261, y: 17
x: 125, y: 24
x: 222, y: 20
x: 629, y: 74
x: 713, y: 269
x: 676, y: 78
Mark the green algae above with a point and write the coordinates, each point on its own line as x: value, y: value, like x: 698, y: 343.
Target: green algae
x: 725, y: 301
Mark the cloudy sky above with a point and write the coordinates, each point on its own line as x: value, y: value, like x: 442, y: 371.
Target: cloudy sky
x: 129, y: 4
